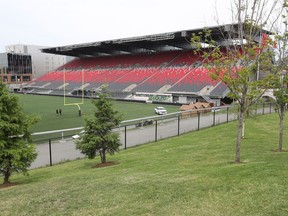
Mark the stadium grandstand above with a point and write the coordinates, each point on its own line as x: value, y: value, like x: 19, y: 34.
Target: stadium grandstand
x: 160, y: 67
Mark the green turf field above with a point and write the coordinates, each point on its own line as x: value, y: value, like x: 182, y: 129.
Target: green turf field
x: 45, y: 107
x: 193, y: 174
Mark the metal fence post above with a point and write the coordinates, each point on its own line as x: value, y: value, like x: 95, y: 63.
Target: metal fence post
x: 227, y: 114
x: 198, y: 113
x: 263, y: 108
x: 125, y: 137
x: 156, y: 124
x: 50, y: 152
x: 62, y: 135
x: 178, y: 125
x: 270, y: 108
x: 214, y: 113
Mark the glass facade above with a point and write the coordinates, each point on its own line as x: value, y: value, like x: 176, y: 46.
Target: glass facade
x: 15, y: 68
x: 19, y: 64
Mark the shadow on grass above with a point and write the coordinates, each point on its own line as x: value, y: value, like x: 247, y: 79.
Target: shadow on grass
x: 106, y: 164
x: 8, y: 185
x: 276, y: 150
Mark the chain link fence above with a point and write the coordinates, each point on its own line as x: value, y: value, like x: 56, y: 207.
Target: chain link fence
x: 135, y: 132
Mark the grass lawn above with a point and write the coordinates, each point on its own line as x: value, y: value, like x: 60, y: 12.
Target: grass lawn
x: 45, y: 107
x: 193, y: 174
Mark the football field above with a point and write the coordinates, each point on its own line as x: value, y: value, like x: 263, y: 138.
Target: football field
x: 46, y: 106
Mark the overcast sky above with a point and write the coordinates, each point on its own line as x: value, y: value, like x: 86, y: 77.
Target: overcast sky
x: 64, y: 22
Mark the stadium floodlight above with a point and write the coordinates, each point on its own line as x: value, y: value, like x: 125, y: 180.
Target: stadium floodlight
x: 82, y: 94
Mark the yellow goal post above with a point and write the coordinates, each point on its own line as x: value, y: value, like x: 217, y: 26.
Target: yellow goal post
x: 82, y: 93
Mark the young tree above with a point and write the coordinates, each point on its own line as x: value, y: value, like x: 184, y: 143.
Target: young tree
x: 237, y: 61
x: 98, y: 136
x: 281, y: 96
x: 16, y: 150
x: 280, y: 69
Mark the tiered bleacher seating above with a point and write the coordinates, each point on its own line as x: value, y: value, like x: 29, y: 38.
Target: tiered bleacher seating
x: 162, y: 77
x: 54, y: 85
x: 168, y: 75
x: 135, y: 76
x: 37, y: 84
x: 107, y: 77
x: 54, y: 75
x: 70, y: 65
x: 159, y: 59
x: 91, y: 75
x: 125, y: 61
x: 46, y: 79
x: 186, y: 58
x: 167, y: 71
x: 76, y: 78
x: 219, y: 90
x: 196, y: 80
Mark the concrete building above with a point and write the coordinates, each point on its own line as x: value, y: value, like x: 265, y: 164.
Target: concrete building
x: 42, y: 63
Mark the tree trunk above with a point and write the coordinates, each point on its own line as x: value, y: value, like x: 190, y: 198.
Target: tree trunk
x: 6, y: 177
x: 239, y: 135
x: 281, y: 129
x: 103, y: 156
x: 243, y: 129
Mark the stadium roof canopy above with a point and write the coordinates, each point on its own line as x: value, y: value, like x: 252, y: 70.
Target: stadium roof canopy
x: 179, y: 40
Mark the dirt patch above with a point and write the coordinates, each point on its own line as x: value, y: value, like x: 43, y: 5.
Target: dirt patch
x: 108, y: 163
x: 11, y: 184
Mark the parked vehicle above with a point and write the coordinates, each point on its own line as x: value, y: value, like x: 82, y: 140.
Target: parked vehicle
x: 160, y: 111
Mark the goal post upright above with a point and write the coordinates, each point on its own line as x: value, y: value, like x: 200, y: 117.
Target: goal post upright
x: 82, y: 92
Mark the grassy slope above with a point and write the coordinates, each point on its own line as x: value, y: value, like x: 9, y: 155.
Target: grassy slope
x: 189, y: 175
x: 45, y: 107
